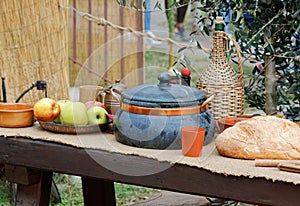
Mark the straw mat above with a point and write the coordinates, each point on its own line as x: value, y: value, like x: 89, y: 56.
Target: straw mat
x: 210, y: 159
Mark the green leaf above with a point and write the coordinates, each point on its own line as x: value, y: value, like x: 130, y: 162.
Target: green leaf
x: 296, y: 14
x: 199, y: 45
x: 181, y: 49
x: 206, y: 30
x: 132, y: 4
x: 182, y: 64
x: 266, y: 45
x: 187, y: 60
x: 194, y: 32
x: 158, y: 5
x: 176, y: 62
x: 293, y: 88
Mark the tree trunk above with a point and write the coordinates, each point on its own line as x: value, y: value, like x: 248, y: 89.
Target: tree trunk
x: 270, y: 86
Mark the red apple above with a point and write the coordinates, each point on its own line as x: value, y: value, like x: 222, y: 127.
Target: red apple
x: 46, y: 109
x: 90, y: 104
x: 185, y: 72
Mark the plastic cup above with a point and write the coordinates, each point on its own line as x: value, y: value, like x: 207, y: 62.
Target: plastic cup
x: 192, y: 139
x: 227, y: 122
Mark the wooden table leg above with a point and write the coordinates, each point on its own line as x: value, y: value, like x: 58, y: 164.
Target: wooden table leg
x: 37, y: 194
x: 98, y: 192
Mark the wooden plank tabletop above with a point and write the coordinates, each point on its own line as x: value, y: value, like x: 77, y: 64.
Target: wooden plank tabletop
x: 94, y: 163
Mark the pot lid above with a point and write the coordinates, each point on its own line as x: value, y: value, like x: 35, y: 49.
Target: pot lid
x: 163, y: 95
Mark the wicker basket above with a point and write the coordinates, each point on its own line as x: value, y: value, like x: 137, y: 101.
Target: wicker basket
x: 219, y: 77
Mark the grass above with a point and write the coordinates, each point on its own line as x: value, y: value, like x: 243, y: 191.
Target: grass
x: 70, y: 191
x: 4, y: 194
x: 154, y: 68
x: 127, y: 194
x: 157, y: 61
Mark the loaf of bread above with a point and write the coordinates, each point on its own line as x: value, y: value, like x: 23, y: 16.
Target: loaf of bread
x: 262, y: 137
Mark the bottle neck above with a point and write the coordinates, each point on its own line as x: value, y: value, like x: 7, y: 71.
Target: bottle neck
x: 219, y: 47
x: 219, y: 42
x: 219, y: 27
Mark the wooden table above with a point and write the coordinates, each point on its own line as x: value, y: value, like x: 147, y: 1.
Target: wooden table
x: 41, y: 158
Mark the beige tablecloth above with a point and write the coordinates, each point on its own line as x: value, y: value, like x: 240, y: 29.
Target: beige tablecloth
x: 210, y: 159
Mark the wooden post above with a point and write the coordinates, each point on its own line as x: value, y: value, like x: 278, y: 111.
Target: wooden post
x: 98, y: 192
x: 35, y: 194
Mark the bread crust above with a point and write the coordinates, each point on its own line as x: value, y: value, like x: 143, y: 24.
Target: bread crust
x: 263, y: 137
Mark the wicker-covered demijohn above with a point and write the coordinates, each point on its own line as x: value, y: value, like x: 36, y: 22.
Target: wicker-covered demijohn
x: 219, y: 77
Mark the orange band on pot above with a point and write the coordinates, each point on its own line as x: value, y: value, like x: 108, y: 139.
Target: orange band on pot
x: 163, y: 111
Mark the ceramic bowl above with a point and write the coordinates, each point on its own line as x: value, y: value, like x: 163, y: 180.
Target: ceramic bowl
x: 227, y: 122
x: 16, y: 115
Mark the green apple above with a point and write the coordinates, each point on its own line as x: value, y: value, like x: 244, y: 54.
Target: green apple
x: 74, y: 113
x: 97, y: 115
x: 61, y: 104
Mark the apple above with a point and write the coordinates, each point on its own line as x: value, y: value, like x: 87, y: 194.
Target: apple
x: 90, y: 104
x: 73, y: 113
x: 185, y: 71
x: 61, y: 104
x: 46, y: 109
x: 97, y: 115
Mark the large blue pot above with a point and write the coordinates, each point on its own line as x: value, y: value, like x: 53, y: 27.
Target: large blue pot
x: 151, y: 115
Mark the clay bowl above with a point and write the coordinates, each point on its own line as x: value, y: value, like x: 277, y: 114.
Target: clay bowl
x: 16, y: 115
x: 227, y: 122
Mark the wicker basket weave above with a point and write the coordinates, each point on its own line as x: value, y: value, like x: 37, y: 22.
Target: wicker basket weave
x: 219, y: 77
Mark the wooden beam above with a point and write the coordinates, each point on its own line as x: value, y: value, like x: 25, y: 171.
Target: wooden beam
x: 116, y: 167
x: 36, y: 194
x: 21, y: 175
x: 98, y: 192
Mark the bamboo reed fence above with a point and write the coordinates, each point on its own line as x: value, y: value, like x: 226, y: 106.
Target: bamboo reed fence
x: 101, y: 54
x: 38, y: 38
x: 34, y: 46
